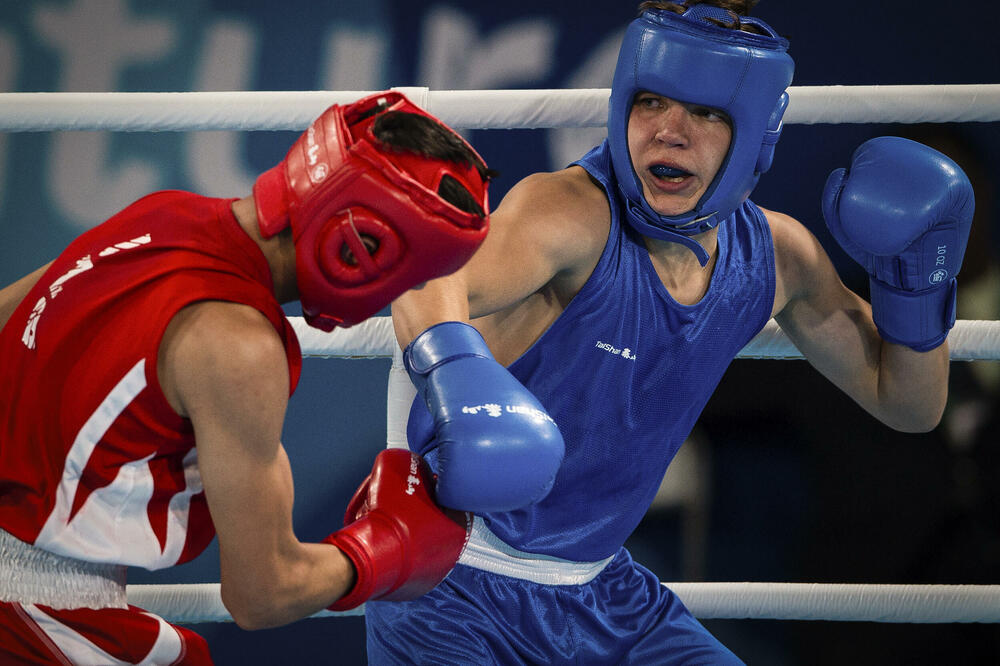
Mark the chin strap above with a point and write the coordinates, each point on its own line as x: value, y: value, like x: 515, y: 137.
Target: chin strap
x: 641, y: 223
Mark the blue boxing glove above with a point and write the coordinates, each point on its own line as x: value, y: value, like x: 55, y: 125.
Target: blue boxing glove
x: 495, y: 446
x: 903, y: 211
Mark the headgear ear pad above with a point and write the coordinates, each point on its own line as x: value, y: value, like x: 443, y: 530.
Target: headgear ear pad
x: 347, y: 260
x: 771, y: 135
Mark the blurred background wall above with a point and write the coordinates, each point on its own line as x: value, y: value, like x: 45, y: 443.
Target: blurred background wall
x: 792, y: 481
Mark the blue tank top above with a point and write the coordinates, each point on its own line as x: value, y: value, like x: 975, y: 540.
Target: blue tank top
x: 625, y: 371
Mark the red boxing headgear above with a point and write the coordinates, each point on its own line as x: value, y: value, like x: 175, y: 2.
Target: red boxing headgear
x: 339, y: 183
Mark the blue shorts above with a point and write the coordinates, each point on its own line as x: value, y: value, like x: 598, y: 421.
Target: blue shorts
x: 623, y: 616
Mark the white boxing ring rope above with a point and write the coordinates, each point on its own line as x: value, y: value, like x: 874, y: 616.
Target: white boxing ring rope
x: 970, y: 340
x: 522, y: 109
x: 917, y: 604
x: 463, y: 109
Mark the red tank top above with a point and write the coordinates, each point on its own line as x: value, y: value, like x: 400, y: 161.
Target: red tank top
x: 94, y: 464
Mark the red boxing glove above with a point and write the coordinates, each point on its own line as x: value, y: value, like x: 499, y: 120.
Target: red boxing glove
x: 400, y: 541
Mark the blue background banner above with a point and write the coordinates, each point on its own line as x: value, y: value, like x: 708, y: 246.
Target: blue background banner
x: 802, y: 485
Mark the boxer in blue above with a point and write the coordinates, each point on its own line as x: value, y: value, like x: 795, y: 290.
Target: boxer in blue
x: 604, y: 306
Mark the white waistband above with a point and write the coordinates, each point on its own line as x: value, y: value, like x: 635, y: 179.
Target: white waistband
x: 30, y: 575
x: 486, y: 551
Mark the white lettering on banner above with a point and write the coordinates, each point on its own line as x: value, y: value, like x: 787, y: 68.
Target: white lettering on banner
x: 353, y: 59
x: 215, y: 160
x: 457, y: 56
x: 97, y: 39
x: 8, y: 71
x: 28, y: 337
x: 568, y: 144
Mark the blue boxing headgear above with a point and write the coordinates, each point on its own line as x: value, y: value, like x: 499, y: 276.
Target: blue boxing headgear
x: 688, y: 59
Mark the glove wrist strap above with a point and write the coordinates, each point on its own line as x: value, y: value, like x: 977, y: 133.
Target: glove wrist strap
x: 441, y: 344
x: 373, y: 578
x: 918, y: 319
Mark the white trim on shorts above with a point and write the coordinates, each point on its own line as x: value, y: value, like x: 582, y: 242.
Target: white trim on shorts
x: 486, y: 551
x: 31, y: 575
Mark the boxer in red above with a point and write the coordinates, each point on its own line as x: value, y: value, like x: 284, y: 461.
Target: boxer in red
x: 147, y: 369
